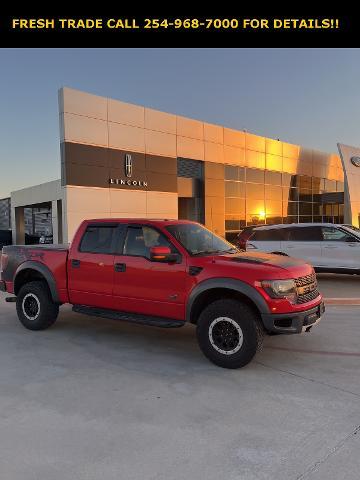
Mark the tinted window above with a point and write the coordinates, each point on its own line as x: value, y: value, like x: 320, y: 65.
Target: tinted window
x: 139, y: 240
x: 267, y: 235
x: 304, y: 234
x: 98, y: 239
x: 331, y: 234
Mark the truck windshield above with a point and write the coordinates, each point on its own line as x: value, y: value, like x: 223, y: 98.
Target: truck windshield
x: 198, y: 240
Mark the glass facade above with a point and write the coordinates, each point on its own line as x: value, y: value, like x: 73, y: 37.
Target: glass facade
x: 38, y: 221
x: 255, y: 196
x: 5, y: 214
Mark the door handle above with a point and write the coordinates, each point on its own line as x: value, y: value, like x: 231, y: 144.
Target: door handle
x: 329, y: 246
x: 75, y: 263
x: 120, y: 267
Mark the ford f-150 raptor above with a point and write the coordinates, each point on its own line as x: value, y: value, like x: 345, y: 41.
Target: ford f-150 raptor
x: 165, y: 273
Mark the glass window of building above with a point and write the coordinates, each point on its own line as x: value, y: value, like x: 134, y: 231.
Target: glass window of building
x: 290, y: 208
x: 317, y: 185
x: 305, y: 195
x: 231, y: 173
x: 339, y: 186
x: 255, y: 175
x: 254, y: 191
x: 305, y: 182
x: 291, y: 194
x: 305, y: 208
x: 317, y: 209
x: 272, y: 197
x: 330, y: 185
x: 287, y: 179
x: 273, y: 219
x: 273, y: 192
x: 234, y: 206
x: 234, y: 173
x: 234, y: 189
x: 272, y: 178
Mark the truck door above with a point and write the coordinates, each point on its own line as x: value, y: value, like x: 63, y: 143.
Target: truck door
x: 144, y: 286
x: 91, y: 266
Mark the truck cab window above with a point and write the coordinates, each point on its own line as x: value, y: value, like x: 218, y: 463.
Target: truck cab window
x: 139, y: 240
x: 98, y: 239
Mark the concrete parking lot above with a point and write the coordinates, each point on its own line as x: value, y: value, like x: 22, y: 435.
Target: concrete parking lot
x: 91, y: 398
x: 339, y: 286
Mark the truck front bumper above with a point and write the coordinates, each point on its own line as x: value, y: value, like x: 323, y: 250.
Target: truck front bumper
x: 296, y: 322
x: 2, y: 286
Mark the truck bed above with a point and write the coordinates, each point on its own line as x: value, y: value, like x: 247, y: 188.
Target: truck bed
x: 53, y: 257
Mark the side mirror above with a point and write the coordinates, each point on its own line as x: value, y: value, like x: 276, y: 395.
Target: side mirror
x: 162, y: 254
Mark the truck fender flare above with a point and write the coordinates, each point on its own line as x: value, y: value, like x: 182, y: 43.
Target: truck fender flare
x: 45, y: 272
x: 229, y: 284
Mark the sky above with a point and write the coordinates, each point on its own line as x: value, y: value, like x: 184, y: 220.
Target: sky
x: 309, y: 97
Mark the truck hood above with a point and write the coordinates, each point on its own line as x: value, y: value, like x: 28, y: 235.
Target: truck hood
x: 259, y: 264
x: 281, y: 261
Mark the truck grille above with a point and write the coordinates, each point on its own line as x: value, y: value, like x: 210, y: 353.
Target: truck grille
x: 307, y: 288
x: 302, y: 281
x: 307, y: 297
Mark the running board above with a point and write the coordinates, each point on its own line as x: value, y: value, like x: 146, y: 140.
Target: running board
x: 128, y: 317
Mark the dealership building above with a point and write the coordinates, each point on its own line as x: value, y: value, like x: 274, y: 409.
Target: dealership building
x: 125, y: 160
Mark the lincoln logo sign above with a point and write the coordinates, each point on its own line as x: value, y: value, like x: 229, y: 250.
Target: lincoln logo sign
x: 128, y: 165
x: 355, y: 161
x: 128, y: 174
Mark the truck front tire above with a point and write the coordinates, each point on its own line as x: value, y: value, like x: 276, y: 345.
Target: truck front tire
x: 35, y: 307
x: 229, y: 333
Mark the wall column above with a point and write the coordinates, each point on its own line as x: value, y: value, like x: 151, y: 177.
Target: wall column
x: 19, y: 223
x: 54, y: 221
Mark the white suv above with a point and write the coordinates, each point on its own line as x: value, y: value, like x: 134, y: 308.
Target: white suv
x: 328, y: 247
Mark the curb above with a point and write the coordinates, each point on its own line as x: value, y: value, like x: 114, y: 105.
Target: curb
x: 342, y: 301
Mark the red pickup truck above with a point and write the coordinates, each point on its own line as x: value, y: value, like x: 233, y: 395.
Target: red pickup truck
x: 165, y: 273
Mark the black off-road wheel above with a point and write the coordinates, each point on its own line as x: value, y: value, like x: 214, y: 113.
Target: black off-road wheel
x: 229, y: 333
x: 35, y: 307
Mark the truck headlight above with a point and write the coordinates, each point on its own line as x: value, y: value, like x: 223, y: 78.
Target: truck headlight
x: 280, y: 289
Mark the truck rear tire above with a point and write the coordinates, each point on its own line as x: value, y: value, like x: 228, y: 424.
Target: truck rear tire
x: 35, y: 307
x: 229, y: 333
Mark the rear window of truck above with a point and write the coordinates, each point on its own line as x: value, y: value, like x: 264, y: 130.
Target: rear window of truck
x: 98, y: 239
